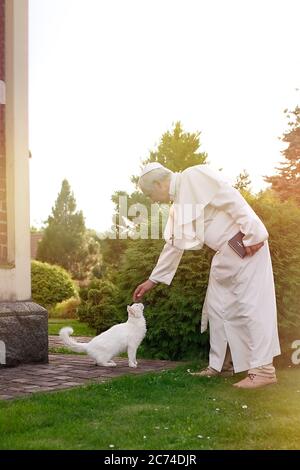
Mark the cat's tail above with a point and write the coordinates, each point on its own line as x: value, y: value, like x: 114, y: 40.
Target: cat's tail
x: 70, y: 342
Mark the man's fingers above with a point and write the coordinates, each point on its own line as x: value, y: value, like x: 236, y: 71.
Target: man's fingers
x: 135, y: 293
x: 251, y: 250
x: 138, y: 293
x: 248, y: 250
x: 257, y: 247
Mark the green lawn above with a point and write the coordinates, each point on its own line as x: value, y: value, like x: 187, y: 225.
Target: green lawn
x: 167, y: 410
x: 80, y: 329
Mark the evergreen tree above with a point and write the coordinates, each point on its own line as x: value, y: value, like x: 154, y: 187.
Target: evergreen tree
x: 243, y: 182
x: 87, y: 260
x: 287, y: 181
x: 177, y: 150
x: 173, y: 313
x: 66, y: 241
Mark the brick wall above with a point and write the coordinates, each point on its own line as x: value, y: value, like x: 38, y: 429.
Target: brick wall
x: 3, y: 216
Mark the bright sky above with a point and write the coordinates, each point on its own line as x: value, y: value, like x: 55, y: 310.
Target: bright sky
x: 109, y: 77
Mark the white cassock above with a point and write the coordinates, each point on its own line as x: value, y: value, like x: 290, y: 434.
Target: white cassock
x: 240, y: 302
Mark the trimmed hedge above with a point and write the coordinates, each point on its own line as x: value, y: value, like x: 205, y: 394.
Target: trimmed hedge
x: 65, y: 309
x: 50, y: 284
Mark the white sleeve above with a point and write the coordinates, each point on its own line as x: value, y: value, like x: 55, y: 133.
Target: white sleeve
x: 230, y: 200
x: 166, y: 265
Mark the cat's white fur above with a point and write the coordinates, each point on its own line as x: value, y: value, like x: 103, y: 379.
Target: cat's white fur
x: 118, y: 339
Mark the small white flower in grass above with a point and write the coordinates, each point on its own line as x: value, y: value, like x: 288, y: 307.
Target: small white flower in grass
x: 214, y: 399
x: 217, y: 409
x: 111, y: 445
x: 188, y: 370
x: 208, y: 437
x: 244, y: 407
x: 157, y: 427
x: 200, y: 437
x: 145, y: 437
x: 166, y: 428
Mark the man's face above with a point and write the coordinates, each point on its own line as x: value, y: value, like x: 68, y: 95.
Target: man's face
x: 160, y: 191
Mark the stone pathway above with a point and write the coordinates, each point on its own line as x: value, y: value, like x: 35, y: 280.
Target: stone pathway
x: 66, y: 371
x: 55, y: 341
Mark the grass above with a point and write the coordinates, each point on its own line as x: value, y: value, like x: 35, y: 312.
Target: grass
x: 80, y: 329
x: 64, y: 350
x: 165, y: 411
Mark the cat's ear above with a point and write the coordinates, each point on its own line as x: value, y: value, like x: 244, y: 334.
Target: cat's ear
x: 130, y: 310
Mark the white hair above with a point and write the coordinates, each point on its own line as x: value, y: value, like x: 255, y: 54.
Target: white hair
x: 146, y: 182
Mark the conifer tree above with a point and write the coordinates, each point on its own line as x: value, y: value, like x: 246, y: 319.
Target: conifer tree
x: 243, y: 182
x: 173, y: 313
x: 177, y: 150
x: 286, y: 183
x: 64, y: 231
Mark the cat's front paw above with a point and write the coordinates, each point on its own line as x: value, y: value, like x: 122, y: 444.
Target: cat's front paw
x: 132, y: 364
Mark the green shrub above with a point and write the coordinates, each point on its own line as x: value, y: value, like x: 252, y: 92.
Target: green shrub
x: 173, y: 313
x: 66, y: 309
x: 99, y: 305
x: 282, y: 220
x: 50, y: 284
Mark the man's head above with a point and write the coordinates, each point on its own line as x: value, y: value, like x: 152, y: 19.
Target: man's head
x: 155, y: 182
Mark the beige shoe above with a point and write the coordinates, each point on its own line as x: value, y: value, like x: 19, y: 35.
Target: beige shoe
x: 210, y: 372
x: 255, y: 381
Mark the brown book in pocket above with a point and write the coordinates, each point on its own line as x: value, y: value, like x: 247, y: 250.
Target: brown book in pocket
x: 236, y: 243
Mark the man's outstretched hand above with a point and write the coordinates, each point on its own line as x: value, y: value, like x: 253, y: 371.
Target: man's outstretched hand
x: 142, y: 289
x: 251, y: 250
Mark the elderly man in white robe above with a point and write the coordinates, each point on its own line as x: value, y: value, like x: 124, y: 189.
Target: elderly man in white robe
x: 240, y: 303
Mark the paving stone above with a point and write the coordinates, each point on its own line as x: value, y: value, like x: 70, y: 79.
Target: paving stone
x: 67, y: 371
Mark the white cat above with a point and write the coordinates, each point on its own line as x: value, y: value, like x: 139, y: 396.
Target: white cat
x: 118, y: 339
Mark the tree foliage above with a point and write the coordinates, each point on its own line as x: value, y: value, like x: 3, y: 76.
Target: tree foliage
x: 66, y: 241
x: 243, y: 182
x: 177, y: 150
x: 286, y: 183
x: 173, y: 313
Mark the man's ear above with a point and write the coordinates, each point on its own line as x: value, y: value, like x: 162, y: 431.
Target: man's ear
x: 130, y: 310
